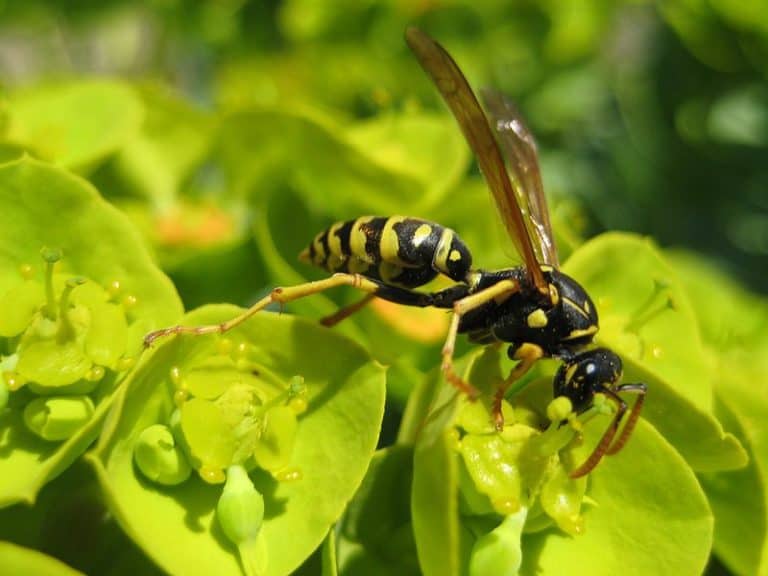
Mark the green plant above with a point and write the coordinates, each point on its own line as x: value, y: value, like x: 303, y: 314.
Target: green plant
x: 277, y: 448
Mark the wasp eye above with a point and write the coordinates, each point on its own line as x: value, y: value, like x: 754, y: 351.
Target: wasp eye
x: 590, y: 368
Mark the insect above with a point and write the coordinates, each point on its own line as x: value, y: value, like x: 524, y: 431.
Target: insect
x: 538, y: 310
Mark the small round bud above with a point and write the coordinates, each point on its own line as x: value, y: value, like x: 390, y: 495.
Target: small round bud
x: 26, y: 271
x: 289, y: 475
x: 602, y: 405
x: 559, y: 409
x: 159, y: 458
x: 113, y: 288
x: 13, y: 380
x: 95, y: 373
x: 125, y: 363
x: 240, y: 510
x: 50, y: 255
x: 180, y: 396
x: 175, y: 375
x: 129, y: 301
x: 59, y: 417
x: 211, y: 475
x: 298, y: 405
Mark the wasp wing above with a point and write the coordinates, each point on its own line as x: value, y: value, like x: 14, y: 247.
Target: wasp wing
x: 518, y: 144
x: 457, y: 93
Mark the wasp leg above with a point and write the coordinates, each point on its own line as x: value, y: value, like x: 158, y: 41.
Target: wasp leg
x: 602, y: 447
x: 527, y: 354
x: 346, y: 312
x: 280, y: 295
x: 442, y: 299
x: 460, y: 307
x: 629, y: 426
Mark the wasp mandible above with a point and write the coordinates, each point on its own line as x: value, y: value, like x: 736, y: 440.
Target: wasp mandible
x: 536, y: 309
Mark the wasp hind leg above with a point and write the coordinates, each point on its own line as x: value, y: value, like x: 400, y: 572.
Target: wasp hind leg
x: 346, y: 312
x: 280, y: 295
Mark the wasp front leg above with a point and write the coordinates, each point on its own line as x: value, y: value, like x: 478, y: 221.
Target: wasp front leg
x: 527, y: 355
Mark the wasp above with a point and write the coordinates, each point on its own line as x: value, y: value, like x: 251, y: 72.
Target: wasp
x: 536, y: 309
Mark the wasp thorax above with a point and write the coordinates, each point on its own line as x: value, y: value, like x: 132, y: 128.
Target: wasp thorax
x: 579, y: 313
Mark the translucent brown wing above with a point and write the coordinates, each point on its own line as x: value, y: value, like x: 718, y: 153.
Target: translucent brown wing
x: 518, y: 144
x: 473, y: 123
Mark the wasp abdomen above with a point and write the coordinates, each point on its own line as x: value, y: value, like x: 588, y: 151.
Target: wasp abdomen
x: 397, y: 250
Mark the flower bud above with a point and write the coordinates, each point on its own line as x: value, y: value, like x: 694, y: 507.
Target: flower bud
x: 240, y: 510
x: 559, y: 409
x: 159, y: 458
x: 59, y: 417
x: 498, y: 552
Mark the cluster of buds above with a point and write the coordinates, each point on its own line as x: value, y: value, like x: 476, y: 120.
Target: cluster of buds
x: 66, y: 343
x: 228, y: 416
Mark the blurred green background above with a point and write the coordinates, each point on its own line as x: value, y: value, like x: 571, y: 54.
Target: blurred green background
x: 650, y: 116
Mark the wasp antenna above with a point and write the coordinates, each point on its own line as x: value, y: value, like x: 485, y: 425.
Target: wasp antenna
x: 634, y: 415
x: 602, y: 447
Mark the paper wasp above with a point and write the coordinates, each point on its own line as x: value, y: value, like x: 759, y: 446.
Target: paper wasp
x: 539, y: 311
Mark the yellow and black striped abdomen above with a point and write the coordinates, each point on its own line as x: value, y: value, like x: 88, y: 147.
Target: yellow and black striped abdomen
x: 397, y: 250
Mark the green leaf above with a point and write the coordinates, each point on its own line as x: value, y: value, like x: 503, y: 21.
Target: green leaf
x: 738, y: 498
x: 376, y: 536
x: 74, y: 124
x: 651, y: 517
x: 263, y: 145
x: 18, y: 560
x: 19, y: 305
x: 621, y: 273
x: 734, y: 326
x: 173, y: 139
x: 41, y: 205
x: 329, y: 564
x: 428, y: 148
x: 341, y: 425
x: 435, y: 490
